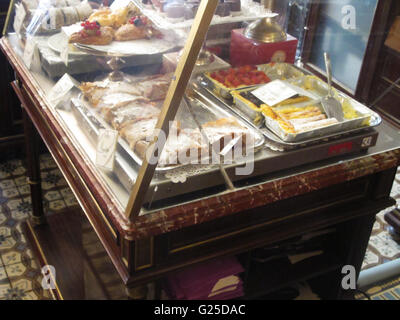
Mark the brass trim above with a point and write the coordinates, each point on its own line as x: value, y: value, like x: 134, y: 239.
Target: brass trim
x: 125, y: 262
x: 8, y: 17
x: 392, y: 83
x: 138, y: 268
x: 39, y: 247
x: 32, y: 183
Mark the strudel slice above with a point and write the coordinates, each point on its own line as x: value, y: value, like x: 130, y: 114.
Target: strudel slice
x: 221, y: 132
x: 102, y: 92
x: 131, y: 113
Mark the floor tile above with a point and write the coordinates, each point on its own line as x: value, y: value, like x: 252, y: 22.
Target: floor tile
x: 4, y: 288
x: 10, y: 193
x: 3, y: 218
x: 18, y: 294
x: 3, y: 275
x: 24, y: 190
x: 52, y: 195
x: 21, y: 181
x: 21, y: 215
x: 14, y: 256
x: 71, y: 201
x: 57, y: 205
x: 20, y: 204
x: 66, y: 192
x: 3, y: 174
x: 5, y: 232
x: 7, y: 243
x: 6, y: 184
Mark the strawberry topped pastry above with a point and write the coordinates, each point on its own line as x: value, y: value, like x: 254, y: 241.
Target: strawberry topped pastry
x: 138, y: 27
x: 240, y: 77
x: 93, y: 34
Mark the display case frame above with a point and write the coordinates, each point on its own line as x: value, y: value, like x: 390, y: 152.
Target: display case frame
x: 264, y: 210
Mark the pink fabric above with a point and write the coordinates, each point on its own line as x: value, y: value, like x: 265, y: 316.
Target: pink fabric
x: 196, y: 283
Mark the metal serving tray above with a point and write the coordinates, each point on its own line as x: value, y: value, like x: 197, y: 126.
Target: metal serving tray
x: 210, y: 181
x: 274, y: 71
x: 256, y: 116
x: 91, y: 122
x: 273, y: 141
x: 365, y: 117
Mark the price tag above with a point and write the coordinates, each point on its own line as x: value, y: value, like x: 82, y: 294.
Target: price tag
x: 30, y: 51
x: 64, y: 55
x: 61, y: 88
x: 19, y: 18
x: 106, y: 147
x: 274, y: 92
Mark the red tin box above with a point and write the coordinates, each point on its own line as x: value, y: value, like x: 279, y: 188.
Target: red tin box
x: 246, y: 51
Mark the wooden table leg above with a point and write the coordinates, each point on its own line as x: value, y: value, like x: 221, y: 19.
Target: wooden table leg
x: 33, y: 163
x: 137, y: 293
x: 393, y: 219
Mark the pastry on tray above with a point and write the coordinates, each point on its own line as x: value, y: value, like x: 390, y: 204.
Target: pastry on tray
x: 106, y: 18
x: 101, y: 93
x: 106, y: 25
x: 297, y: 120
x: 130, y: 32
x: 138, y: 27
x: 134, y: 107
x: 93, y: 34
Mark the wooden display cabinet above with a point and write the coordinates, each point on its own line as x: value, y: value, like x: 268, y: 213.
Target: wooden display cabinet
x: 343, y: 193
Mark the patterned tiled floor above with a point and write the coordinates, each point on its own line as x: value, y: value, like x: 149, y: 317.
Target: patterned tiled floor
x: 20, y: 277
x: 382, y: 246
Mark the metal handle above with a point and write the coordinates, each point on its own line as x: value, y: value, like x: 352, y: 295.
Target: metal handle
x: 328, y: 72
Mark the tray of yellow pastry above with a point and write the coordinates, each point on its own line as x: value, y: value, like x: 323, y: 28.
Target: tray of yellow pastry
x: 296, y: 123
x: 302, y: 117
x: 251, y: 106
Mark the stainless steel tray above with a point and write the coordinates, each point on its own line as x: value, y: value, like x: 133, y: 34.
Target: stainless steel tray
x: 365, y: 117
x: 274, y: 71
x: 202, y: 110
x: 273, y: 141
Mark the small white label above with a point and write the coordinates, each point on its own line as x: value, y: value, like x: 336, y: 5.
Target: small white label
x: 106, y: 147
x: 19, y: 18
x: 274, y: 92
x: 29, y: 51
x: 61, y: 88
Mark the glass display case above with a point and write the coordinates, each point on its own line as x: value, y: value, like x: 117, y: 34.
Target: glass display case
x: 153, y: 98
x: 190, y: 130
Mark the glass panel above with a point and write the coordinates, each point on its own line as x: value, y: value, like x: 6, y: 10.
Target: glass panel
x: 104, y: 69
x: 343, y: 31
